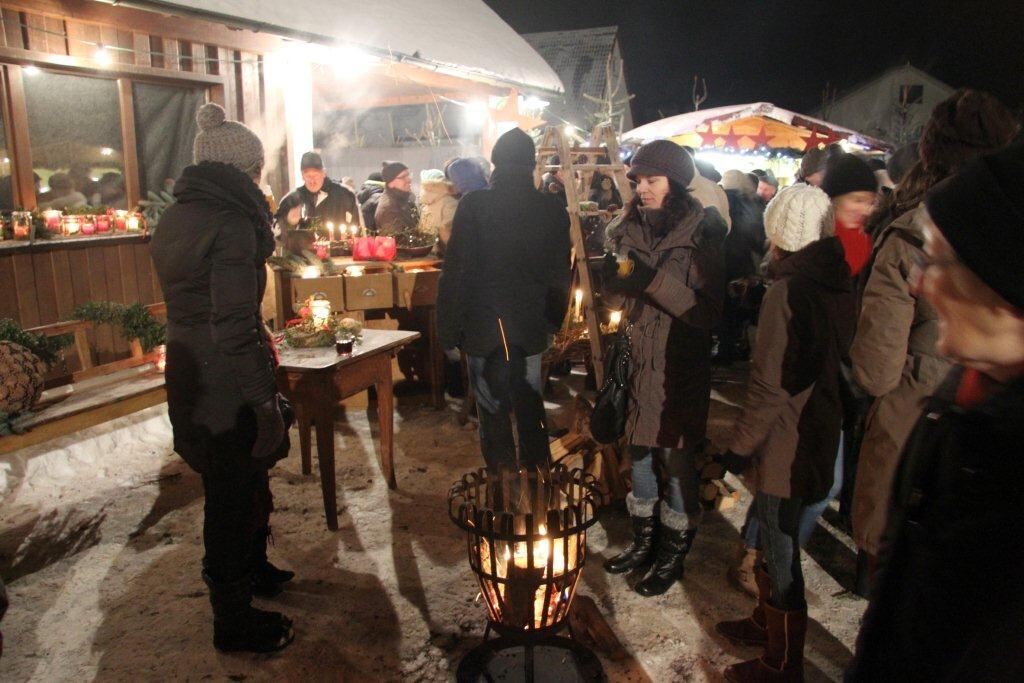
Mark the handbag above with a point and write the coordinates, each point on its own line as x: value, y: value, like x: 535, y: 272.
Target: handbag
x: 608, y: 419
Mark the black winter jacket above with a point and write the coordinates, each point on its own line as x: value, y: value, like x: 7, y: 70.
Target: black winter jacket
x: 506, y: 270
x: 209, y: 254
x: 339, y: 207
x: 745, y: 243
x: 947, y: 603
x: 368, y: 197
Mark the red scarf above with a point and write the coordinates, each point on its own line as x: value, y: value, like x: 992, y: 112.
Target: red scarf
x: 856, y: 246
x: 974, y: 388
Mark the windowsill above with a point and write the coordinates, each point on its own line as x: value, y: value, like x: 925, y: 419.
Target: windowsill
x: 58, y: 243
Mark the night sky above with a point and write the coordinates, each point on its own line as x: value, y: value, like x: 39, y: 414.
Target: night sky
x: 784, y: 51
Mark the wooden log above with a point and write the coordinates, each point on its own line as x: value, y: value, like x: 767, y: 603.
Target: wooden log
x: 590, y: 626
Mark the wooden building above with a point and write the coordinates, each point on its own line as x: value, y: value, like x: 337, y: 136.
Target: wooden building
x: 99, y: 97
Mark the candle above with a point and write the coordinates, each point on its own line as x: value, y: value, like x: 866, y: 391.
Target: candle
x: 310, y: 272
x: 613, y: 321
x: 161, y: 357
x: 120, y: 220
x: 51, y: 218
x: 88, y: 225
x: 320, y: 309
x: 330, y: 231
x: 72, y: 225
x: 355, y: 230
x: 133, y: 223
x: 21, y: 223
x: 355, y: 271
x: 102, y: 222
x: 578, y: 312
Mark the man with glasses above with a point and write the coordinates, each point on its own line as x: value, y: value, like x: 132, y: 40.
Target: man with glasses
x: 397, y: 211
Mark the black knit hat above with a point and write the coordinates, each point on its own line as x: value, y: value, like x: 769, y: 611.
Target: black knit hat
x: 980, y: 212
x: 847, y: 173
x: 311, y: 160
x: 514, y: 148
x: 391, y: 170
x: 663, y: 157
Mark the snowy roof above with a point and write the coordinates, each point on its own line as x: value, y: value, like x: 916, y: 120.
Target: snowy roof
x: 579, y: 58
x: 686, y: 123
x: 465, y: 35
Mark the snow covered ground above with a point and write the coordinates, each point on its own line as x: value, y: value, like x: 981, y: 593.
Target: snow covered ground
x: 100, y: 546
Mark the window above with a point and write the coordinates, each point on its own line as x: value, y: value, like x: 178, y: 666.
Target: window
x: 165, y: 127
x: 74, y: 127
x: 6, y: 188
x: 911, y: 94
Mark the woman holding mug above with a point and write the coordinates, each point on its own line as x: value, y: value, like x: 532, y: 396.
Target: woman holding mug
x: 669, y: 281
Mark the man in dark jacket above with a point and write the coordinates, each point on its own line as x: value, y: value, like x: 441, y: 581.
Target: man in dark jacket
x: 317, y: 197
x: 744, y: 251
x: 503, y: 293
x: 947, y: 601
x: 396, y: 210
x: 369, y: 194
x: 222, y: 397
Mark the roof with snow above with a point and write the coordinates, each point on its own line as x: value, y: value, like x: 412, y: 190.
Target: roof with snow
x: 687, y: 123
x: 465, y: 35
x: 579, y: 58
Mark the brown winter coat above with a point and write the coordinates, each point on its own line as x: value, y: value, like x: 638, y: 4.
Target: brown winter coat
x: 396, y: 212
x: 670, y: 340
x: 793, y: 414
x: 894, y: 360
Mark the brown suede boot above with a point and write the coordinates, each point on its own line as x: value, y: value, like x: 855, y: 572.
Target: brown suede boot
x: 754, y: 629
x: 783, y: 658
x: 741, y: 574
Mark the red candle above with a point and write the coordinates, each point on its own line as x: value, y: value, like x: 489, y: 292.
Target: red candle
x: 102, y: 223
x: 120, y: 220
x: 88, y: 225
x: 51, y: 218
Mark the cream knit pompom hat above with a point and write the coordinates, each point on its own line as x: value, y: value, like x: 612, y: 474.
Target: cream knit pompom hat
x: 796, y: 217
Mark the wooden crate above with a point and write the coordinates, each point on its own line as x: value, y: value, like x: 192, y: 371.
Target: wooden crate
x: 372, y: 290
x: 330, y: 286
x: 416, y: 288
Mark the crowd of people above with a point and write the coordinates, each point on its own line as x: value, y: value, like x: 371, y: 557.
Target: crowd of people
x: 888, y: 361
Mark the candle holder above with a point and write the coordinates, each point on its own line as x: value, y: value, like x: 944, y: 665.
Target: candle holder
x: 134, y: 222
x: 120, y: 220
x: 51, y: 219
x: 71, y: 225
x: 88, y: 225
x: 22, y: 225
x: 102, y: 222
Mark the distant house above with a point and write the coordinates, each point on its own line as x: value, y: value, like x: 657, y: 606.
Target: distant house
x: 893, y: 106
x: 582, y: 59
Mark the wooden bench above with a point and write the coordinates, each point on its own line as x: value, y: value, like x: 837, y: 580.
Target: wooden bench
x: 93, y: 394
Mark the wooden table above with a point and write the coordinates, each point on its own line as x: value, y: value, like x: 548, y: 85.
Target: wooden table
x: 317, y: 380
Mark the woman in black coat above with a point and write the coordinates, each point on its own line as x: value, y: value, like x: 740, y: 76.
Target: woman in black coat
x: 209, y: 253
x: 947, y: 600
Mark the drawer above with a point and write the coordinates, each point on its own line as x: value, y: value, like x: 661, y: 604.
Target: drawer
x: 330, y: 286
x: 372, y: 290
x: 416, y: 289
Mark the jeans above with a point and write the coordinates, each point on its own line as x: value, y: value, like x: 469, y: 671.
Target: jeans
x: 780, y: 522
x: 236, y: 515
x: 808, y: 516
x: 505, y: 386
x: 682, y: 481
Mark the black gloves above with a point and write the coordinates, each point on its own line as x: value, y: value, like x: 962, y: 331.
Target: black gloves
x: 733, y: 462
x: 270, y: 429
x: 636, y: 283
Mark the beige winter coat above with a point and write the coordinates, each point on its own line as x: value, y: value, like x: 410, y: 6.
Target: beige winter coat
x: 711, y: 194
x: 894, y: 360
x: 670, y: 341
x: 437, y: 209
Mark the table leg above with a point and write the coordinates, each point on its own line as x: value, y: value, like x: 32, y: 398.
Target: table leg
x: 304, y: 424
x: 386, y: 420
x: 436, y: 360
x: 325, y: 454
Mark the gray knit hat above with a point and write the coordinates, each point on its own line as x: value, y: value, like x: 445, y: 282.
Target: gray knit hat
x: 228, y: 142
x: 663, y: 157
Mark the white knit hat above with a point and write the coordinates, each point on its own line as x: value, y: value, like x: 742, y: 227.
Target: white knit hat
x: 796, y: 216
x: 228, y: 142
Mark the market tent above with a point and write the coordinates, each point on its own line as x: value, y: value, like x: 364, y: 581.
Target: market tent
x: 463, y: 35
x: 756, y: 126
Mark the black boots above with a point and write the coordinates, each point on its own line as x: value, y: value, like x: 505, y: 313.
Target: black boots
x: 240, y: 627
x: 267, y: 579
x: 639, y: 551
x: 674, y: 541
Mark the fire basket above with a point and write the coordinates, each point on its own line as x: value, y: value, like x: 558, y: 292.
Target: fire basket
x: 526, y: 537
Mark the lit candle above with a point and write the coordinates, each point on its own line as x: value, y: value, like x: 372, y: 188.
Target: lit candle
x: 21, y: 225
x: 88, y: 225
x: 51, y: 218
x: 161, y: 357
x: 320, y: 309
x: 133, y: 223
x: 355, y: 271
x: 613, y: 321
x: 355, y: 230
x: 578, y: 314
x: 330, y: 231
x: 310, y: 272
x: 102, y: 222
x: 120, y: 220
x: 72, y: 225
